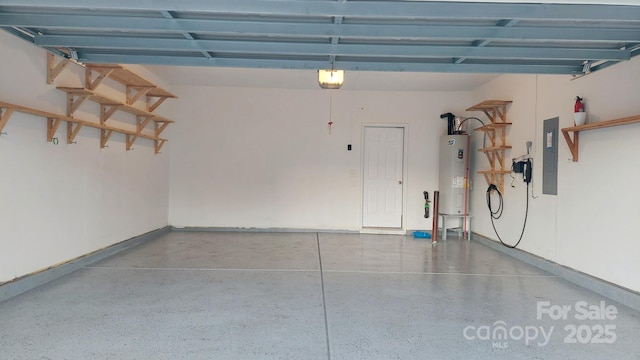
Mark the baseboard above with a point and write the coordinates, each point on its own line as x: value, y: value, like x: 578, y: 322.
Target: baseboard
x: 262, y: 230
x: 382, y: 231
x: 30, y: 281
x: 607, y: 289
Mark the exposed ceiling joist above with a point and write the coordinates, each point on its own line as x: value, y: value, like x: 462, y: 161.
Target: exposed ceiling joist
x: 319, y: 49
x: 353, y: 9
x: 127, y: 24
x: 343, y: 64
x: 431, y: 36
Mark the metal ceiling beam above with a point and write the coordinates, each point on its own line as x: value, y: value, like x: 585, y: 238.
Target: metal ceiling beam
x: 28, y: 36
x: 345, y: 65
x: 373, y: 50
x: 361, y: 9
x: 328, y: 30
x: 357, y: 35
x: 485, y: 42
x: 187, y: 35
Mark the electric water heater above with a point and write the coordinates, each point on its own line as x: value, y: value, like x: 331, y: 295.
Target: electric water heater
x: 453, y: 184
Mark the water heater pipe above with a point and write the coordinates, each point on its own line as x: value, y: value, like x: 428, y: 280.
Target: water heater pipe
x: 450, y: 122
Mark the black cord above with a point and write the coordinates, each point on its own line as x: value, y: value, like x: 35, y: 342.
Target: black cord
x: 484, y: 139
x: 469, y: 118
x: 498, y: 213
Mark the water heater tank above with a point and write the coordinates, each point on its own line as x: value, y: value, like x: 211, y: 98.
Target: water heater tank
x: 453, y: 184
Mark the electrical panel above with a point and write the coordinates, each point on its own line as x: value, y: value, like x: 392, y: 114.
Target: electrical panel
x: 550, y: 156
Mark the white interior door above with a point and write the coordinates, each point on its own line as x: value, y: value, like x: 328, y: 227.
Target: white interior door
x: 383, y: 169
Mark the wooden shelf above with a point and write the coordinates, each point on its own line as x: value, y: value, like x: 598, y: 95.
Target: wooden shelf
x: 492, y: 126
x: 74, y: 125
x: 76, y: 96
x: 496, y: 111
x: 489, y: 105
x: 136, y: 85
x: 573, y: 143
x: 494, y: 172
x: 495, y: 148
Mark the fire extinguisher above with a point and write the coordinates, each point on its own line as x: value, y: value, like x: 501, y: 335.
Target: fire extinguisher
x: 579, y: 106
x: 426, y: 204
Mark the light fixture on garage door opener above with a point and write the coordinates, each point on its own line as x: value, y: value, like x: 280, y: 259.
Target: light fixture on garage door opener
x: 330, y: 79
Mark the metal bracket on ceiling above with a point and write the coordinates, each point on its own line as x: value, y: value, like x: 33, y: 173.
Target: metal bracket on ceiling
x: 586, y: 70
x: 73, y: 54
x: 589, y: 67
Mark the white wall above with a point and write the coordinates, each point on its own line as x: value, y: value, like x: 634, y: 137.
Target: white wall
x: 591, y: 225
x: 264, y: 158
x: 58, y: 202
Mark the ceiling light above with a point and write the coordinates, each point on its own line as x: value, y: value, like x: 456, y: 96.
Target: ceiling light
x: 330, y: 79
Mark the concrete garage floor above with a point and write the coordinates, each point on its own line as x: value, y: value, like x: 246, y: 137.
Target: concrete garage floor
x: 225, y: 295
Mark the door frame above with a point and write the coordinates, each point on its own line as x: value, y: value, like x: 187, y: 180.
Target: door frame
x: 373, y: 230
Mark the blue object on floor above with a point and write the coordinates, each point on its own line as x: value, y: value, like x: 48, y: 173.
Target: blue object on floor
x: 421, y: 235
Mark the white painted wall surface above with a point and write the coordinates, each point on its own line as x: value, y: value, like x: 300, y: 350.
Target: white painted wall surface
x: 264, y: 158
x: 58, y: 202
x: 591, y: 225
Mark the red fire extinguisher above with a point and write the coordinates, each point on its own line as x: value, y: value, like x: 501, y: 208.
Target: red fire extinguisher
x: 579, y: 106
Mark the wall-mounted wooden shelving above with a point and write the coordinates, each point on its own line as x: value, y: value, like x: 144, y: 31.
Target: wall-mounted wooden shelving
x: 136, y: 86
x: 74, y: 125
x: 76, y: 96
x: 573, y: 143
x: 496, y: 111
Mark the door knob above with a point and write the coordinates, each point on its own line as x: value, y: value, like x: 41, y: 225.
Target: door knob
x: 400, y: 182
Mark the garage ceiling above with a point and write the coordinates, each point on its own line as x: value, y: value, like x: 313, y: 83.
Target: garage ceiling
x: 408, y: 36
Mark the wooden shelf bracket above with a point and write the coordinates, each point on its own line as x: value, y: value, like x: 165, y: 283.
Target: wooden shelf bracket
x: 72, y: 131
x: 573, y: 144
x: 52, y: 127
x: 103, y: 73
x: 158, y: 145
x: 106, y: 111
x: 131, y: 139
x: 142, y: 121
x: 134, y: 93
x: 4, y: 117
x: 160, y: 126
x: 74, y: 101
x: 105, y: 135
x: 153, y: 104
x: 53, y: 69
